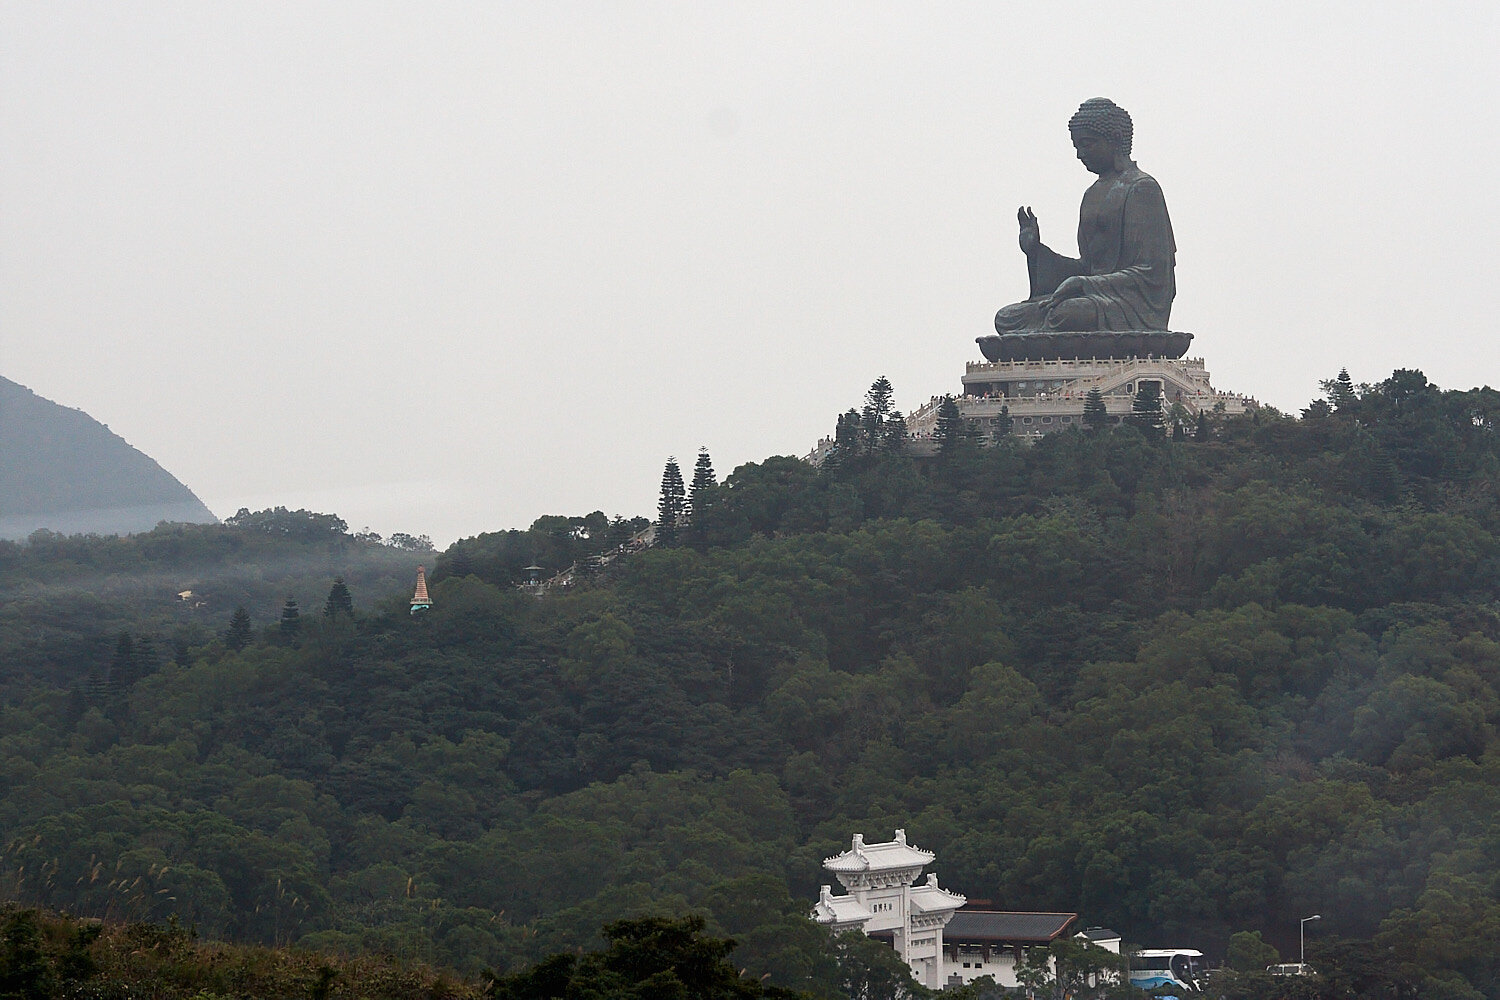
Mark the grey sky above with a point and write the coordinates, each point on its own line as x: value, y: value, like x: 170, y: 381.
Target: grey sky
x: 446, y: 267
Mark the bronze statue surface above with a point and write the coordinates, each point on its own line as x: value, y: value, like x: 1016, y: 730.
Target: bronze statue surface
x: 1114, y: 299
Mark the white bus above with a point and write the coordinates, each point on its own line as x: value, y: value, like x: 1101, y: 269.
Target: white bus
x: 1178, y: 967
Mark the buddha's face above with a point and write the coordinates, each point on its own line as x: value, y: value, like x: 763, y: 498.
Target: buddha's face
x: 1094, y: 151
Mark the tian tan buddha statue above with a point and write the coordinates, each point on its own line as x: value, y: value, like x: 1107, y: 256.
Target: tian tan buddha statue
x: 1114, y: 299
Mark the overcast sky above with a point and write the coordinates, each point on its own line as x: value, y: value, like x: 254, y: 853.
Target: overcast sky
x: 444, y: 268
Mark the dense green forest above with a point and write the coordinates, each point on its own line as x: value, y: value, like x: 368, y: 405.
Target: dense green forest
x: 1190, y: 688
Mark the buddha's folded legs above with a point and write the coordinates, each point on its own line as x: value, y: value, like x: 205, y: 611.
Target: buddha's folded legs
x: 1026, y: 315
x: 1080, y: 313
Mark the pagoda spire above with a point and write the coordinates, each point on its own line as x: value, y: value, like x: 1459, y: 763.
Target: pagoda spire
x: 419, y: 599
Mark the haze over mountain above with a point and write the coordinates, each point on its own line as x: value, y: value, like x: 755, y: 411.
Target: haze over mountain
x: 63, y: 470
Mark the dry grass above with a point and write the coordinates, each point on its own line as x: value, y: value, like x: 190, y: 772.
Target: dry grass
x: 93, y: 961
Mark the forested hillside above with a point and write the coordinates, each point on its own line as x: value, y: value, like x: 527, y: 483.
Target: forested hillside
x: 1187, y: 688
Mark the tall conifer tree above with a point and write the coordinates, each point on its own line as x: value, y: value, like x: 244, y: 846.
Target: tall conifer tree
x: 1145, y: 409
x: 670, y: 507
x: 877, y: 410
x: 950, y: 426
x: 893, y: 434
x: 1095, y: 416
x: 291, y: 619
x: 238, y: 636
x: 704, y: 481
x: 340, y: 601
x: 122, y: 666
x: 849, y: 435
x: 1342, y: 393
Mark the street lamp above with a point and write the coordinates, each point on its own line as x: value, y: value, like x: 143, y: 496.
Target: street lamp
x: 1302, y: 937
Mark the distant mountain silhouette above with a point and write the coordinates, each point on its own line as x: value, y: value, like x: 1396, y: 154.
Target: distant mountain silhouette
x: 63, y: 470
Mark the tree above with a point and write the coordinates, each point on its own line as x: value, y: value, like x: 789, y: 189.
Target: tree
x: 304, y: 525
x: 1203, y: 432
x: 848, y: 436
x: 877, y: 410
x: 669, y: 508
x: 893, y: 434
x: 1248, y: 953
x: 1145, y: 408
x: 702, y: 495
x: 878, y: 399
x: 25, y: 973
x: 1341, y: 391
x: 1095, y: 416
x: 124, y: 667
x: 1316, y: 410
x: 239, y: 634
x: 653, y: 958
x: 340, y: 601
x: 871, y: 970
x: 950, y: 426
x: 704, y: 481
x: 291, y: 619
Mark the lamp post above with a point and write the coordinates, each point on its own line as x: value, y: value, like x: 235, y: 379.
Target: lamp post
x: 1302, y: 937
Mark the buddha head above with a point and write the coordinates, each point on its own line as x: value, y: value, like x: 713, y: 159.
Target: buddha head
x: 1102, y: 132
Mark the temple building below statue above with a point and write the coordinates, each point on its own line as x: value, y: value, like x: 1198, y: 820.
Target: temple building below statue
x: 1032, y: 398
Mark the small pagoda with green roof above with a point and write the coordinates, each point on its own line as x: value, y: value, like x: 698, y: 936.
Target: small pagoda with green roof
x: 419, y: 599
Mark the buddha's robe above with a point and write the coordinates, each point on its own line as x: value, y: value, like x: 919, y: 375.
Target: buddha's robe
x: 1127, y: 259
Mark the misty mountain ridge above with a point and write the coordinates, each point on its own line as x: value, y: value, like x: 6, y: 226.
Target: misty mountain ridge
x: 62, y: 470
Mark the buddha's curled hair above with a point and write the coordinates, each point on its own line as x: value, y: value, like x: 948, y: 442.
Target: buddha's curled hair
x: 1103, y: 117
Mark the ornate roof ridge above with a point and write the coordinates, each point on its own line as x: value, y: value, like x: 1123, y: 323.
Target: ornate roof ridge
x: 893, y: 854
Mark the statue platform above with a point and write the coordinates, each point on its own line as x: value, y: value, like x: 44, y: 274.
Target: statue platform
x: 1056, y: 345
x: 1030, y: 398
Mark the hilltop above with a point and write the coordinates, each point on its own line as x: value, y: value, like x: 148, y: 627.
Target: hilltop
x: 1190, y: 689
x: 62, y: 470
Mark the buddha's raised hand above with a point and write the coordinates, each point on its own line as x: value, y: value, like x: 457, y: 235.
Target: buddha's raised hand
x: 1031, y: 232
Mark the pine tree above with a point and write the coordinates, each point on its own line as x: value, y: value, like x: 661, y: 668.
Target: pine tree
x: 950, y: 426
x: 702, y: 494
x: 1342, y: 393
x: 877, y: 410
x: 96, y: 686
x: 670, y: 507
x: 291, y: 619
x: 1145, y: 409
x: 238, y: 636
x: 122, y: 666
x: 146, y: 660
x: 1204, y: 431
x: 878, y: 399
x: 1317, y: 410
x: 340, y: 601
x: 893, y: 434
x: 1095, y: 415
x: 1382, y: 478
x: 703, y: 481
x: 848, y: 436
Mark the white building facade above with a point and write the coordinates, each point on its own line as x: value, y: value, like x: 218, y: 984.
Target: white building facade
x: 883, y: 901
